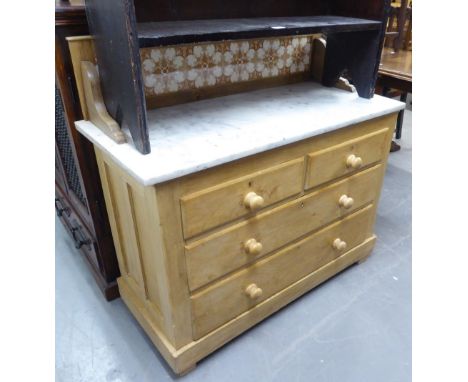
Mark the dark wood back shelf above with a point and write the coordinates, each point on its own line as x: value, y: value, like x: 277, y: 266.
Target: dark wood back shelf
x: 354, y: 30
x: 192, y: 31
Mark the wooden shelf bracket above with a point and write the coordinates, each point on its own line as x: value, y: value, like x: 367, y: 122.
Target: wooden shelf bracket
x: 97, y: 112
x: 318, y: 62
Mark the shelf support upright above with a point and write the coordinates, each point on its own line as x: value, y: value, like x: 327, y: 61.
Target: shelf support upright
x: 355, y: 55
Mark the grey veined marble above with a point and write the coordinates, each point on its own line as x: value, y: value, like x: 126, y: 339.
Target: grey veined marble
x: 195, y: 136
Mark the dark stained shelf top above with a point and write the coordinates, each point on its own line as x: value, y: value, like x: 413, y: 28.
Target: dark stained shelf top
x: 190, y: 31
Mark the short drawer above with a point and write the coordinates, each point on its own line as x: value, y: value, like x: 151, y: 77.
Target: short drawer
x: 224, y: 251
x: 348, y: 157
x: 228, y: 201
x: 227, y: 299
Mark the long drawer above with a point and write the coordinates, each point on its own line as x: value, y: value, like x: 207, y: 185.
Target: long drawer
x: 223, y: 252
x: 243, y: 290
x: 243, y: 196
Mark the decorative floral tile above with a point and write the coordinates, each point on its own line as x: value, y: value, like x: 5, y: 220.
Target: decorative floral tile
x: 193, y: 66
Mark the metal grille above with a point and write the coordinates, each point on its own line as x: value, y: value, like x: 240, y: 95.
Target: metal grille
x: 65, y: 149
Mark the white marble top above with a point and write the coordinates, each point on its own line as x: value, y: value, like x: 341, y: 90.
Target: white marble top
x: 195, y: 136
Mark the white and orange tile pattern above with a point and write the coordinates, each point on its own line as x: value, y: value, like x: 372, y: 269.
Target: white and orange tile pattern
x: 176, y: 68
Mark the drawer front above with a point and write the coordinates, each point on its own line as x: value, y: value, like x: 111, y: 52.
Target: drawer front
x: 240, y: 292
x: 228, y: 201
x: 214, y: 256
x: 82, y: 238
x: 346, y: 158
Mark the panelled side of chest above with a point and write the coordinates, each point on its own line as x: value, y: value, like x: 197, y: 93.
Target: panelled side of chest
x: 148, y: 238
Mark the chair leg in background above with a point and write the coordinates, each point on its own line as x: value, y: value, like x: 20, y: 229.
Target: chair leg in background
x: 399, y: 126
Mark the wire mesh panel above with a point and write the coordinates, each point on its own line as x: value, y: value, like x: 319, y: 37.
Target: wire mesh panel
x: 65, y: 149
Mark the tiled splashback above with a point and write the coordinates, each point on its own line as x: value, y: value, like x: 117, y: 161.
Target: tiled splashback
x: 177, y: 68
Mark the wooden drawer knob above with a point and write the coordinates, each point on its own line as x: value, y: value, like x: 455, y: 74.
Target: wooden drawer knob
x: 252, y: 201
x: 253, y: 247
x: 354, y: 162
x: 345, y: 201
x: 339, y: 244
x: 253, y: 291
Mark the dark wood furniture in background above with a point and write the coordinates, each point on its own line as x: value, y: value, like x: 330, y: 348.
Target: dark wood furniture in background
x: 354, y: 29
x: 395, y: 72
x: 398, y: 34
x: 79, y: 200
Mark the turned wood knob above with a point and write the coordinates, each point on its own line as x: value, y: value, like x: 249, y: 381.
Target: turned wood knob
x: 345, y: 201
x: 253, y: 291
x: 339, y: 244
x: 253, y: 201
x: 253, y: 247
x: 354, y: 162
